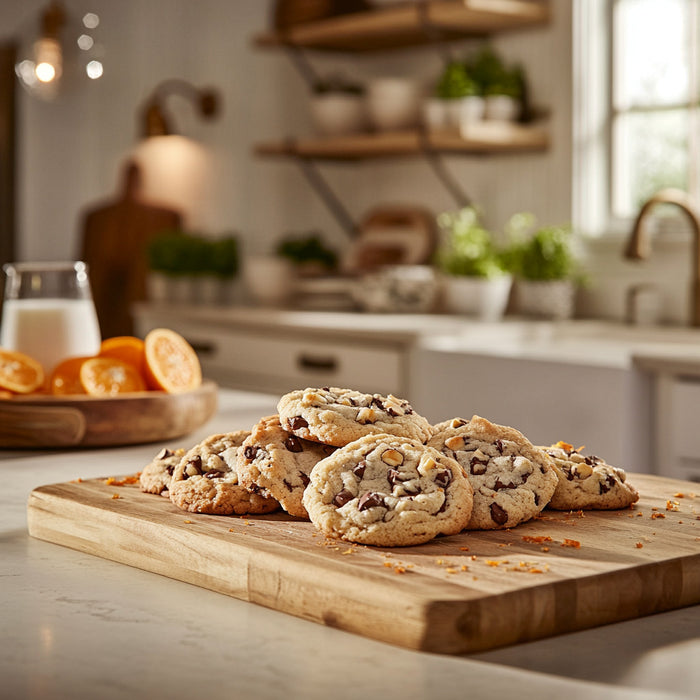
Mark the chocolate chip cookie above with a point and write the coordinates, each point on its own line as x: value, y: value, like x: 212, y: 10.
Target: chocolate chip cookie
x: 512, y: 479
x: 338, y: 416
x: 588, y: 482
x: 206, y: 480
x: 388, y: 491
x: 155, y: 476
x: 277, y: 464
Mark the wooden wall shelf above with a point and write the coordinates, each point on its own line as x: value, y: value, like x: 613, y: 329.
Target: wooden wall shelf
x: 412, y: 25
x: 481, y: 138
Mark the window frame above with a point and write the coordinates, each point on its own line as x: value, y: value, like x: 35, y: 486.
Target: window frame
x: 595, y: 113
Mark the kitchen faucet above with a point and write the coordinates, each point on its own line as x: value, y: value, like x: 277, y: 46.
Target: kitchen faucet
x: 638, y: 247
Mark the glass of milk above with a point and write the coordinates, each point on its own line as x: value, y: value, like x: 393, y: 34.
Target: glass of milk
x: 48, y: 312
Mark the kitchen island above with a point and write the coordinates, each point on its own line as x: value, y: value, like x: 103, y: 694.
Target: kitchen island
x: 78, y: 626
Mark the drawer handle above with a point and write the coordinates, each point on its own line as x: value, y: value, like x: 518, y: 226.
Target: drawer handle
x: 317, y: 363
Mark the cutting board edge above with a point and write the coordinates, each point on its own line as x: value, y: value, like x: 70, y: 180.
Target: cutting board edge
x: 439, y: 625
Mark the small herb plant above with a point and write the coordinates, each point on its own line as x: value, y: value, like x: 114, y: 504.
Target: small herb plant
x: 455, y: 82
x: 468, y: 249
x: 542, y: 253
x: 307, y: 249
x: 176, y: 253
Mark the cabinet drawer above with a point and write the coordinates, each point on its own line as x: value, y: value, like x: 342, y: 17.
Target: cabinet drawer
x: 266, y: 363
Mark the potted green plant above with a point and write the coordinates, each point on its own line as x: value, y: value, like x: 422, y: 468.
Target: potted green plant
x: 546, y: 268
x: 475, y: 274
x: 338, y: 106
x: 308, y: 253
x: 457, y: 99
x: 188, y: 267
x: 502, y: 86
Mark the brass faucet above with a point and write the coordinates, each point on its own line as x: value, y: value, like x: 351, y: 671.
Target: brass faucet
x: 639, y: 246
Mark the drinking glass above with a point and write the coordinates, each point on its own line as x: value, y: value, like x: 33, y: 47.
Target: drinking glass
x: 48, y: 311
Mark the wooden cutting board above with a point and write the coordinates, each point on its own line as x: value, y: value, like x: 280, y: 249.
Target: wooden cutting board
x: 79, y: 420
x: 465, y: 593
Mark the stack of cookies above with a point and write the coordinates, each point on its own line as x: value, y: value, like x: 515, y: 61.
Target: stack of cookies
x: 367, y: 468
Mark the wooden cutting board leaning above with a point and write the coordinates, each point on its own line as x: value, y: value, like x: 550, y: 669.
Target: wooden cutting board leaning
x: 465, y: 593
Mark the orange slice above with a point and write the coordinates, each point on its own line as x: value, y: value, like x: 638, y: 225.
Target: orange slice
x: 172, y: 364
x: 128, y: 348
x: 19, y: 373
x: 106, y: 376
x: 65, y: 378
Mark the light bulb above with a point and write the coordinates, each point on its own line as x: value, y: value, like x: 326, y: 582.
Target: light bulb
x: 66, y: 52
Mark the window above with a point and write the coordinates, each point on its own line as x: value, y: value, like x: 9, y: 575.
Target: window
x: 640, y: 129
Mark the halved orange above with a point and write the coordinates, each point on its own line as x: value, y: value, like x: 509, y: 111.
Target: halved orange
x: 172, y: 364
x: 107, y: 376
x: 65, y: 378
x: 128, y: 348
x: 19, y: 373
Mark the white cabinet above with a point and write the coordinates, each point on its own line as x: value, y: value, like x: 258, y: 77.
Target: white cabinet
x: 273, y: 358
x: 605, y: 409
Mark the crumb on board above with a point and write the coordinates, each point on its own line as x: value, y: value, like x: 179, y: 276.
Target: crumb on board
x: 571, y: 543
x: 113, y: 481
x: 115, y: 495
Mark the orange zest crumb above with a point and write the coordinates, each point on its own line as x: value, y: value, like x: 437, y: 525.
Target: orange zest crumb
x: 571, y: 543
x: 113, y: 481
x: 464, y: 549
x: 672, y: 505
x: 539, y: 539
x: 638, y: 545
x: 116, y: 495
x: 656, y: 516
x: 188, y: 522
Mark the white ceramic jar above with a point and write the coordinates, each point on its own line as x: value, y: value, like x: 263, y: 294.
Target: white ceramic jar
x: 393, y: 103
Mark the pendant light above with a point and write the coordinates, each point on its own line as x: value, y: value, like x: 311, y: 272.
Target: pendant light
x: 58, y: 51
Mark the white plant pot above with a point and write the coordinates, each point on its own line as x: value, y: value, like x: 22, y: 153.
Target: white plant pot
x: 393, y: 103
x: 553, y: 299
x: 268, y: 279
x: 465, y: 110
x: 337, y: 114
x: 434, y: 112
x: 484, y: 298
x: 501, y: 108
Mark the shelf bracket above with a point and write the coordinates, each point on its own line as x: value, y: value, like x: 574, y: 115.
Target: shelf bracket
x: 432, y: 33
x: 329, y: 198
x: 302, y: 64
x: 437, y: 163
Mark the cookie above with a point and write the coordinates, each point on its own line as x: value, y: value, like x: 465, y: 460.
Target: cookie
x: 155, y: 476
x: 512, y: 479
x: 588, y: 482
x: 388, y: 491
x: 206, y: 480
x: 338, y: 416
x: 277, y: 464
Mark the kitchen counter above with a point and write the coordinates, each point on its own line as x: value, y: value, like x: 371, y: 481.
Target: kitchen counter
x: 77, y: 626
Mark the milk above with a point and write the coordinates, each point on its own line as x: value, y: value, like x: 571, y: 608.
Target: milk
x: 50, y: 330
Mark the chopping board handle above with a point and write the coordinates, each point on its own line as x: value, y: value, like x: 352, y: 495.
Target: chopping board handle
x: 23, y: 426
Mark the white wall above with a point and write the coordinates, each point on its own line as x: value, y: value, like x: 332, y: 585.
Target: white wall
x: 70, y: 151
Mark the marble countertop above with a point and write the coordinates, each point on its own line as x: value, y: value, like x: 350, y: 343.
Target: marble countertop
x: 77, y: 626
x: 587, y: 342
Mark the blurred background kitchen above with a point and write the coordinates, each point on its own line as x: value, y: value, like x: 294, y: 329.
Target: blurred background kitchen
x: 289, y: 198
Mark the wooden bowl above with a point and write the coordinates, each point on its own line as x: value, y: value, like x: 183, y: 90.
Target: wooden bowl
x: 86, y: 421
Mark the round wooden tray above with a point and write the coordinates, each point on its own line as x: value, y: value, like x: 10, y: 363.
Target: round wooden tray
x: 84, y: 421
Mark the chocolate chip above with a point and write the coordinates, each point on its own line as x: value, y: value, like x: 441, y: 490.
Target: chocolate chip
x: 500, y: 485
x: 498, y: 515
x: 170, y: 469
x: 342, y: 498
x: 392, y: 412
x: 499, y: 446
x: 165, y: 453
x: 293, y: 444
x: 393, y: 476
x: 359, y: 470
x: 288, y: 485
x: 370, y: 500
x: 304, y: 478
x: 443, y: 478
x: 328, y: 450
x: 250, y: 453
x: 213, y: 474
x: 592, y: 460
x: 297, y: 422
x: 193, y: 467
x: 609, y: 483
x: 478, y: 466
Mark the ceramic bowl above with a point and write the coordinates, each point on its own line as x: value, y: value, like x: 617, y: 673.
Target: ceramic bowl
x: 337, y: 114
x: 397, y: 289
x: 393, y: 103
